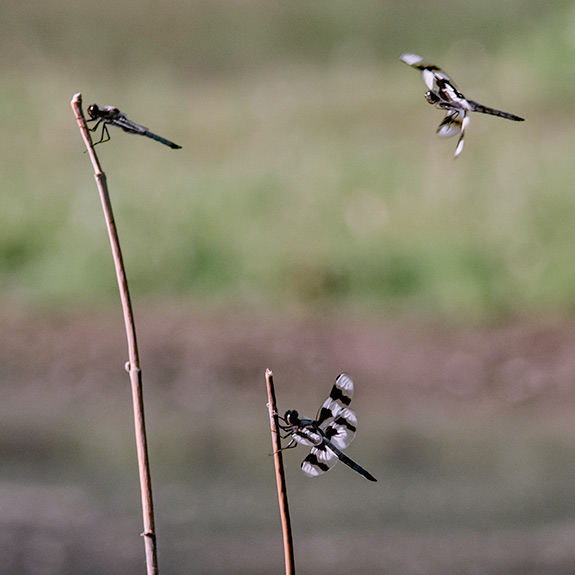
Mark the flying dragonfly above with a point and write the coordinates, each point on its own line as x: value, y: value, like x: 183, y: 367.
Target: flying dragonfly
x: 332, y: 430
x: 109, y: 115
x: 443, y: 94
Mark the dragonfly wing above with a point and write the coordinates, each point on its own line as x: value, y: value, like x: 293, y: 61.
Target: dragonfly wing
x: 320, y: 460
x: 461, y: 141
x: 443, y: 92
x: 448, y: 93
x: 427, y: 70
x: 451, y: 124
x: 339, y: 398
x: 433, y: 76
x: 132, y: 128
x: 128, y: 126
x: 413, y: 60
x: 341, y: 431
x: 455, y: 122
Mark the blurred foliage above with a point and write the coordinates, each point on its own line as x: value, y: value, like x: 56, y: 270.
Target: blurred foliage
x: 310, y: 172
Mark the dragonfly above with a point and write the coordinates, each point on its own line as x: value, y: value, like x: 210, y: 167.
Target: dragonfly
x: 332, y: 430
x: 443, y: 94
x: 111, y: 116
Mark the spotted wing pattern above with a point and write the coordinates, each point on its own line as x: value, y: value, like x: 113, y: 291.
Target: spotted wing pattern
x: 444, y: 94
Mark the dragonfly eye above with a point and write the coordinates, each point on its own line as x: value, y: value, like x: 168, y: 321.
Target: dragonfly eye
x: 93, y: 110
x: 291, y: 417
x: 431, y: 97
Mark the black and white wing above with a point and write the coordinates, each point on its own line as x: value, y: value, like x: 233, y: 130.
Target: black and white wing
x: 338, y: 422
x: 443, y: 92
x: 454, y: 123
x: 339, y: 425
x: 338, y: 434
x: 319, y: 460
x: 339, y: 398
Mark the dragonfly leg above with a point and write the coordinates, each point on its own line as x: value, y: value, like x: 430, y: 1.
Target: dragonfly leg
x: 105, y: 134
x: 95, y: 126
x: 290, y: 445
x: 283, y: 427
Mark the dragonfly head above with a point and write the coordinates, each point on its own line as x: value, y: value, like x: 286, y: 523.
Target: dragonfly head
x: 432, y: 97
x: 292, y: 417
x: 93, y: 110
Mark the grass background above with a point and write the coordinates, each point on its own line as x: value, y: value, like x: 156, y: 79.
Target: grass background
x: 312, y: 223
x: 310, y: 171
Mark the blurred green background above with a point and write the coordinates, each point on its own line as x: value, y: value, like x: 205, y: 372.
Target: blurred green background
x: 310, y: 170
x: 312, y: 223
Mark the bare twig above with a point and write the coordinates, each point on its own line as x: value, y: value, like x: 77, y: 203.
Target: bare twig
x: 280, y: 476
x: 133, y: 365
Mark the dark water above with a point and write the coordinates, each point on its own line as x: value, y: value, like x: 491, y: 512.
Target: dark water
x: 468, y: 432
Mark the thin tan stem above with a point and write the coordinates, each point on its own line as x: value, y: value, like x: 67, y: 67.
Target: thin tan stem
x: 280, y: 476
x: 133, y: 365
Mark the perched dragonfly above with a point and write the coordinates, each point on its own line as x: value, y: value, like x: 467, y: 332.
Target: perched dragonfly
x: 332, y: 430
x: 109, y: 115
x: 443, y: 93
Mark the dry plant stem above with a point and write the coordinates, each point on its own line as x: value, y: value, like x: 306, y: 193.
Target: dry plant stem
x: 133, y: 365
x: 280, y: 476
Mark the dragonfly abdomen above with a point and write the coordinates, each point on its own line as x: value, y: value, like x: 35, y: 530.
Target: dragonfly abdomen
x: 349, y: 462
x: 153, y: 136
x: 477, y: 107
